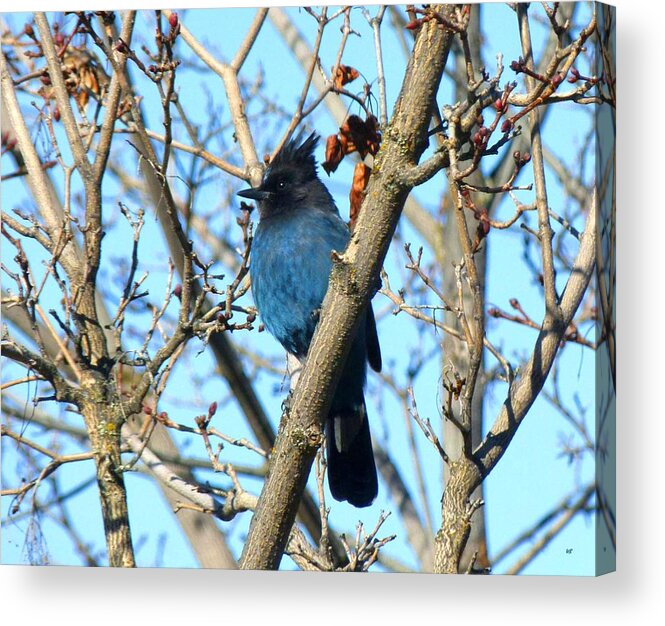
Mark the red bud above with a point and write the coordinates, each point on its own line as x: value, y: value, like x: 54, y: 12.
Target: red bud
x: 173, y: 20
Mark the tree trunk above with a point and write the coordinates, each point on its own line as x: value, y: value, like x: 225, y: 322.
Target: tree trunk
x: 103, y: 425
x: 454, y: 350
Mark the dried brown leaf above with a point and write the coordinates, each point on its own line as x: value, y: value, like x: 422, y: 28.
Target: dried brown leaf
x: 334, y: 154
x: 345, y: 74
x: 361, y: 175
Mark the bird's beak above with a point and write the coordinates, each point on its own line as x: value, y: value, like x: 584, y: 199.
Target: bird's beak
x: 254, y: 194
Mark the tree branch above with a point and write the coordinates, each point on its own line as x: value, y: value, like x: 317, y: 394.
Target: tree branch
x: 62, y: 97
x: 351, y: 283
x: 469, y: 472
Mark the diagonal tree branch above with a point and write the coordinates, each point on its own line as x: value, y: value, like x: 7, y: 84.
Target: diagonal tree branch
x: 39, y: 182
x: 351, y: 283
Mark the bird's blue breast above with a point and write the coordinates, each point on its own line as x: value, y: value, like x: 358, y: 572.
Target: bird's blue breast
x: 290, y: 267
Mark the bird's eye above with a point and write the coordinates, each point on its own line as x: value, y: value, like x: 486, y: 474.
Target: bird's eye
x: 281, y: 184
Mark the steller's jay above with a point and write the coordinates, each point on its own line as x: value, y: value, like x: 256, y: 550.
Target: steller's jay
x: 290, y: 265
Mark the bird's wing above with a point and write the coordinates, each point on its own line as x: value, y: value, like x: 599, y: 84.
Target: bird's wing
x: 338, y: 237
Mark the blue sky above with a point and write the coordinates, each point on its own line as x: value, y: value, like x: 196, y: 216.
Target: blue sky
x: 531, y: 477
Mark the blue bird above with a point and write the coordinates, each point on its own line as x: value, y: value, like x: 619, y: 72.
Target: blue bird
x: 299, y: 226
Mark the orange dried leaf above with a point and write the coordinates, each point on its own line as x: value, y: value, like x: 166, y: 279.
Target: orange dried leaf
x: 355, y: 124
x: 344, y: 143
x: 334, y: 154
x: 361, y: 135
x: 348, y: 146
x: 361, y: 175
x: 354, y: 131
x: 345, y: 74
x: 82, y: 97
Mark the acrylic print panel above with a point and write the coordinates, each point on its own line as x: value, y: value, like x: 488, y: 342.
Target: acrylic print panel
x: 151, y: 415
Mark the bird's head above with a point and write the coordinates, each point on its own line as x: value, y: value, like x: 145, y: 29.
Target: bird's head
x: 290, y: 182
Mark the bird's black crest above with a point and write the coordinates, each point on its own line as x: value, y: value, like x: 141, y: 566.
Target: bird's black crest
x: 297, y: 153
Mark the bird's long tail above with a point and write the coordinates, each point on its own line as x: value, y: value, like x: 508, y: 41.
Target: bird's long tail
x: 351, y: 468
